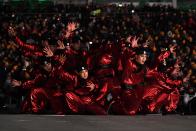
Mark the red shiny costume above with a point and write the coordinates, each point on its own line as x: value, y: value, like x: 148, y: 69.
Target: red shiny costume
x: 105, y: 73
x: 73, y: 59
x: 131, y: 96
x: 161, y: 90
x: 78, y: 98
x: 48, y: 93
x: 125, y: 53
x: 81, y: 99
x: 30, y: 85
x: 44, y: 90
x: 29, y: 50
x: 133, y: 80
x: 33, y: 50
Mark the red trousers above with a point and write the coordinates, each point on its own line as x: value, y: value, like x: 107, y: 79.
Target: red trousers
x: 158, y: 97
x: 83, y: 104
x: 40, y: 97
x: 129, y: 101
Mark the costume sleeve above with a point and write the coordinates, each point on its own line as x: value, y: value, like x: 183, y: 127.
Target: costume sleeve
x: 163, y: 56
x: 26, y: 46
x: 32, y: 83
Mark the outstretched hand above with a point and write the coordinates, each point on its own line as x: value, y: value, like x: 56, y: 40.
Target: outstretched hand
x: 60, y: 45
x: 11, y: 31
x: 134, y: 42
x: 62, y: 59
x: 129, y: 39
x: 48, y: 51
x: 16, y: 83
x: 91, y: 85
x: 72, y: 26
x: 172, y: 49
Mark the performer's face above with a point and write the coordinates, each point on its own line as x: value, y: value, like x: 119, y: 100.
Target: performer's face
x: 76, y: 46
x: 141, y: 58
x: 176, y: 72
x: 48, y: 67
x: 84, y: 74
x: 67, y: 47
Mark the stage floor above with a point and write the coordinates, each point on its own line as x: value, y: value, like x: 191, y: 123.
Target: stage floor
x: 153, y: 122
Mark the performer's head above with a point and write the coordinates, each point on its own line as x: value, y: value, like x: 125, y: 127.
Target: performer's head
x: 82, y: 72
x: 171, y: 67
x: 141, y: 56
x: 76, y: 42
x: 67, y: 44
x: 45, y: 64
x: 176, y: 69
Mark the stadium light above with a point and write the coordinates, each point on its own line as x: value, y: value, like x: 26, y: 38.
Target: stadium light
x: 120, y: 5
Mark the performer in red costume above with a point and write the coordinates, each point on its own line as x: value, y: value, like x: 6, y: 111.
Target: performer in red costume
x: 35, y: 50
x: 133, y: 79
x: 44, y: 89
x: 127, y: 48
x: 161, y: 86
x: 167, y: 82
x: 82, y: 100
x: 105, y: 71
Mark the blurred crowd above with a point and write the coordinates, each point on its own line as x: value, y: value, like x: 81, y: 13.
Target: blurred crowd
x: 78, y: 38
